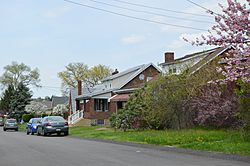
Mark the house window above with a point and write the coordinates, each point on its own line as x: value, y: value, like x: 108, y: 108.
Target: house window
x: 170, y: 71
x: 149, y: 78
x: 100, y: 121
x: 101, y: 105
x: 121, y: 104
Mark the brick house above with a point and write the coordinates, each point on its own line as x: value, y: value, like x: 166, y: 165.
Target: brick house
x: 95, y: 105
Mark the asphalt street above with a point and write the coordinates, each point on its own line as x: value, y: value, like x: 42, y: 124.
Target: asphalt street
x: 18, y: 149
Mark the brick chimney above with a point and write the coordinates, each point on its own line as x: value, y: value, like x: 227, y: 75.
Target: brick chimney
x: 79, y: 87
x: 169, y: 57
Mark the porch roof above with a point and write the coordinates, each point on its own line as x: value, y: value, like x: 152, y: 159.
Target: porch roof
x: 120, y: 97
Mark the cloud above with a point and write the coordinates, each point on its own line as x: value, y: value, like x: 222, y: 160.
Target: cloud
x: 57, y: 12
x: 133, y: 39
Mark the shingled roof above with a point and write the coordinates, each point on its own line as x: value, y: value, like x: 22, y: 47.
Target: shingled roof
x: 59, y: 100
x: 101, y: 88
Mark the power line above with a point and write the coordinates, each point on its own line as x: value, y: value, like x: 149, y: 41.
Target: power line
x: 158, y: 8
x: 133, y: 17
x: 148, y: 12
x: 202, y: 7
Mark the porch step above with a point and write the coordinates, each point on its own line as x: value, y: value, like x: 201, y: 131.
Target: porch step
x: 81, y: 122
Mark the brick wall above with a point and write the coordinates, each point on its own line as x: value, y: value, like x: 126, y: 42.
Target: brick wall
x: 90, y: 112
x: 137, y: 83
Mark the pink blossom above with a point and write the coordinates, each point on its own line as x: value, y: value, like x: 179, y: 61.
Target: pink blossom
x: 232, y: 29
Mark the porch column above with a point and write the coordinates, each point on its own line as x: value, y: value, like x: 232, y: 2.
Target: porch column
x: 77, y: 105
x: 84, y: 105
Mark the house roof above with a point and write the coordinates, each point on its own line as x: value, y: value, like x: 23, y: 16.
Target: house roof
x: 208, y: 59
x: 134, y: 70
x: 142, y: 68
x: 102, y: 89
x: 122, y: 91
x: 120, y: 97
x: 194, y: 55
x: 47, y: 103
x: 120, y: 74
x: 59, y: 100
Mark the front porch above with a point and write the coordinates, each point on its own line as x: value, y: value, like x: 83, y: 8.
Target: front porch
x: 97, y: 110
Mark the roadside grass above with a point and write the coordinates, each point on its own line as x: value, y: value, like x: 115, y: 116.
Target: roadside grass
x: 22, y: 127
x: 219, y: 140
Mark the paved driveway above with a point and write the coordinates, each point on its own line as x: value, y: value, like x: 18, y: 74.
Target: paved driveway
x: 18, y: 149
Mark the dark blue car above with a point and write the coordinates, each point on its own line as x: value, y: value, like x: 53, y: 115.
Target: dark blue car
x: 32, y: 125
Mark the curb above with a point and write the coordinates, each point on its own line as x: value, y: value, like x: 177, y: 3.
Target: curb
x: 215, y: 155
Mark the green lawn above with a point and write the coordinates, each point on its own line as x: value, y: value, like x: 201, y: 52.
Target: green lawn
x: 226, y: 141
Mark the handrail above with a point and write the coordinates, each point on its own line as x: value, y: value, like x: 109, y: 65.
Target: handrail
x: 75, y: 117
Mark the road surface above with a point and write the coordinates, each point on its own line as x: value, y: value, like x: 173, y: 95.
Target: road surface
x: 18, y: 149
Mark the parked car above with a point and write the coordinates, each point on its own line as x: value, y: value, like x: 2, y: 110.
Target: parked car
x: 1, y: 121
x: 10, y: 124
x: 51, y: 125
x: 31, y: 127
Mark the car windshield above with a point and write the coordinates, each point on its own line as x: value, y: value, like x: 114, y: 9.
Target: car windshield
x: 55, y: 119
x: 11, y: 120
x: 36, y: 120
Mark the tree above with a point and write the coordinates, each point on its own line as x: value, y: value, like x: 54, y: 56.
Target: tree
x: 243, y: 93
x: 166, y: 100
x: 131, y: 115
x: 37, y: 108
x: 161, y: 104
x: 232, y: 30
x: 216, y: 106
x: 16, y: 74
x: 60, y: 109
x: 97, y: 73
x: 80, y: 72
x: 73, y: 73
x: 7, y: 98
x: 21, y: 98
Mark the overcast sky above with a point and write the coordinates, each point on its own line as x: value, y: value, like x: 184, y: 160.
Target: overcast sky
x: 49, y: 34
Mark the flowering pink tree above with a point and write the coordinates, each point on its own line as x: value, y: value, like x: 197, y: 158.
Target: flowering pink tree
x: 232, y: 29
x: 216, y: 106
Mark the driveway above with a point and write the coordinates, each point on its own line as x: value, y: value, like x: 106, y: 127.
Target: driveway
x: 18, y: 149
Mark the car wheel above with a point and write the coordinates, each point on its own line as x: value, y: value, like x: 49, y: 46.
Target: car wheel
x: 4, y: 129
x: 66, y: 133
x: 32, y: 133
x: 28, y: 132
x: 16, y: 129
x: 44, y: 132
